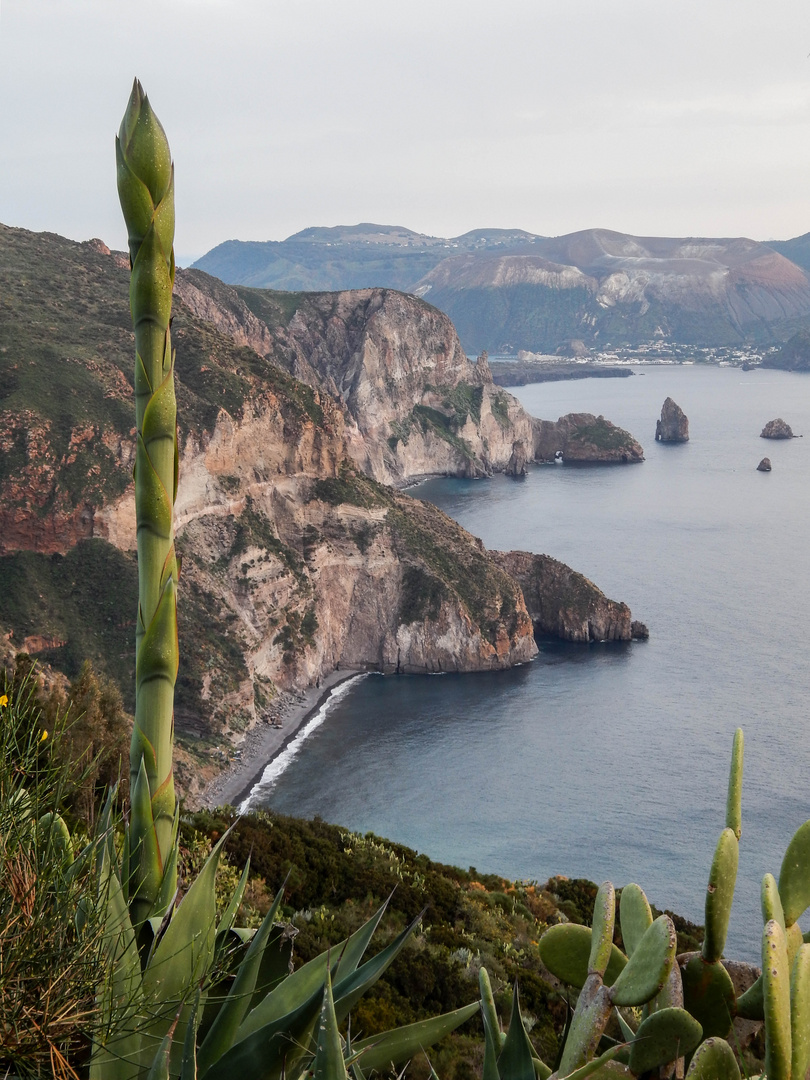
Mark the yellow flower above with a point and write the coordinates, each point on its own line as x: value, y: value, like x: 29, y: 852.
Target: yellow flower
x: 4, y: 699
x: 43, y: 736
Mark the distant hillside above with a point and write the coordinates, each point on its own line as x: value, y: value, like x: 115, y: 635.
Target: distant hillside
x: 507, y: 290
x: 346, y: 257
x: 797, y: 249
x: 794, y: 354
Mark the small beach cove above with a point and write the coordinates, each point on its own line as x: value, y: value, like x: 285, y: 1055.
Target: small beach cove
x: 265, y: 743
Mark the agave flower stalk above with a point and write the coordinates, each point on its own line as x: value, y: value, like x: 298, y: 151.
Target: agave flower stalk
x: 146, y: 192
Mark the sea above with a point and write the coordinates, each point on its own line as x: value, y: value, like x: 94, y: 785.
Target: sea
x: 610, y: 761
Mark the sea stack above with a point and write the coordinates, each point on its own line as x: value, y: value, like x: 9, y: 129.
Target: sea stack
x: 776, y: 429
x: 673, y: 425
x: 764, y: 465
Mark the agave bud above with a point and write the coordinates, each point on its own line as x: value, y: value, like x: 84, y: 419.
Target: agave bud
x: 146, y: 191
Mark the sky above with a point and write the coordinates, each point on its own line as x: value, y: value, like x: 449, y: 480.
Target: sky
x: 653, y: 117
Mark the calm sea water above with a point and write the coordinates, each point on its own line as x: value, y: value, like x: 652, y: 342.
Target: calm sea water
x: 611, y: 761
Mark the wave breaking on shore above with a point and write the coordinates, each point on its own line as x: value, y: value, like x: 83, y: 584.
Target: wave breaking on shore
x: 276, y: 766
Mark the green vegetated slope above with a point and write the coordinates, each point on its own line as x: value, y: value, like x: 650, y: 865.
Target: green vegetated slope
x: 794, y: 354
x: 471, y: 919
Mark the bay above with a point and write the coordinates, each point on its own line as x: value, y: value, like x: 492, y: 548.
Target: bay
x: 611, y: 761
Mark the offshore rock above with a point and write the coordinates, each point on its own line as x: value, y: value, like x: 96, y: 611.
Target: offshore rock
x: 564, y: 603
x: 586, y: 438
x: 776, y: 429
x: 639, y: 631
x: 764, y: 465
x: 516, y: 465
x: 673, y: 425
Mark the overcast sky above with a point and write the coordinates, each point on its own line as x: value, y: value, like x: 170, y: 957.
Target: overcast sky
x: 654, y: 117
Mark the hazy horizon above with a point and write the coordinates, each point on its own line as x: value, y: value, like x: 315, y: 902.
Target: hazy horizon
x: 675, y: 119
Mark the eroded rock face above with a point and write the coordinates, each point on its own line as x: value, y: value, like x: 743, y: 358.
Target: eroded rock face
x: 764, y: 465
x: 673, y: 425
x: 415, y: 405
x: 586, y: 438
x: 518, y: 460
x: 776, y: 429
x: 564, y: 603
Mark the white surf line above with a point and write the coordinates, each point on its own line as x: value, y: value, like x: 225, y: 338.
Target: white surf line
x: 274, y: 768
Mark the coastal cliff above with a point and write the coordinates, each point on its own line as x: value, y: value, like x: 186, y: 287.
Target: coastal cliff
x: 565, y: 604
x: 414, y: 403
x: 297, y: 560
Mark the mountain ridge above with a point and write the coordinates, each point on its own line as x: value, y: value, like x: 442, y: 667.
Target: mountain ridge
x: 507, y: 290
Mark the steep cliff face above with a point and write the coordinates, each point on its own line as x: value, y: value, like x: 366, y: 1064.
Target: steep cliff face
x: 414, y: 404
x: 565, y: 604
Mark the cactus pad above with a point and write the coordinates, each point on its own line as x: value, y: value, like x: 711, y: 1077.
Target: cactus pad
x: 565, y: 949
x: 648, y: 969
x: 663, y: 1037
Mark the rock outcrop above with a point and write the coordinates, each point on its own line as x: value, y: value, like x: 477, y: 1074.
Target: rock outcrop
x: 414, y: 404
x: 516, y: 465
x: 673, y: 425
x: 764, y: 465
x: 583, y: 437
x: 565, y: 604
x: 776, y: 429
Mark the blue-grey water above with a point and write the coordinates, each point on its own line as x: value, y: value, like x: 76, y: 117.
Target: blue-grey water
x: 611, y: 761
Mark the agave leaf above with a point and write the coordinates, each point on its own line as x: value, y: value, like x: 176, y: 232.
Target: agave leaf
x: 159, y: 1069
x: 188, y: 1064
x: 400, y: 1044
x: 328, y: 1063
x: 144, y: 857
x: 228, y: 916
x: 515, y: 1059
x: 351, y: 989
x: 355, y: 947
x: 182, y: 957
x: 492, y: 1044
x: 222, y: 1032
x: 293, y: 993
x: 299, y: 986
x: 117, y: 1051
x: 263, y: 1052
